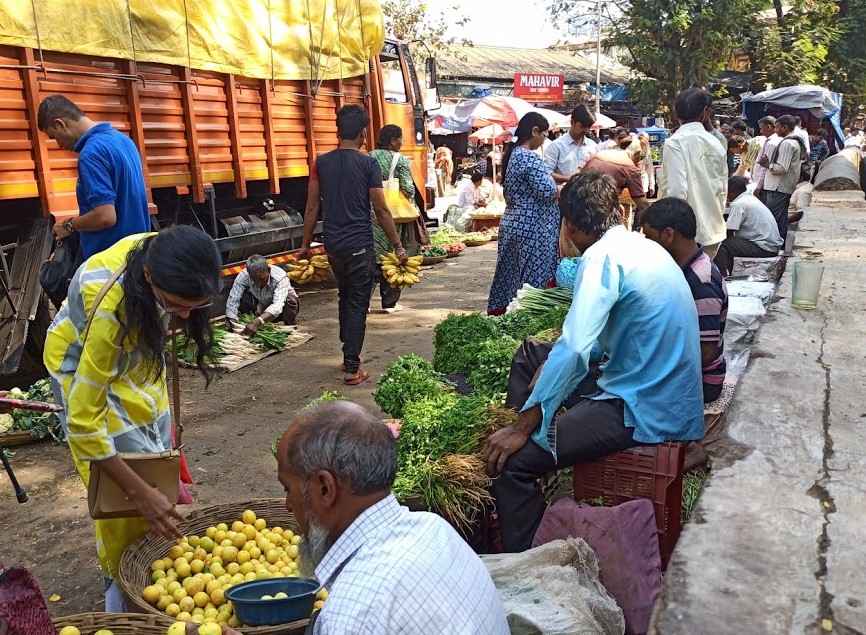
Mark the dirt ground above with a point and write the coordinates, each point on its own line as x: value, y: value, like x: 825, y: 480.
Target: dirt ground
x: 228, y: 428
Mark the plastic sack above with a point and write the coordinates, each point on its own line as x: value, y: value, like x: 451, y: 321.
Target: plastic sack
x: 744, y: 318
x: 758, y: 268
x: 764, y: 291
x: 566, y: 272
x: 554, y: 590
x: 459, y: 217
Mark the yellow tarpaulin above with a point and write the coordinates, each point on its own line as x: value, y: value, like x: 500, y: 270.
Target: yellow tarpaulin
x: 283, y: 39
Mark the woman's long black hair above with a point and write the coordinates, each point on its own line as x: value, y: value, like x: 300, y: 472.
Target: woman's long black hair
x: 524, y: 130
x: 183, y: 261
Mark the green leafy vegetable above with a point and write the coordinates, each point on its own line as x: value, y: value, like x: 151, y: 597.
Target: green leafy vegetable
x: 38, y: 424
x: 458, y: 338
x: 409, y: 378
x: 489, y: 374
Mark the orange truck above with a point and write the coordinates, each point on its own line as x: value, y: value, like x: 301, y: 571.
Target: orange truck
x: 229, y: 103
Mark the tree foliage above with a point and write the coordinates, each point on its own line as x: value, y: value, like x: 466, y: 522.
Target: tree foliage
x: 793, y: 47
x: 845, y: 69
x: 671, y: 44
x: 411, y: 21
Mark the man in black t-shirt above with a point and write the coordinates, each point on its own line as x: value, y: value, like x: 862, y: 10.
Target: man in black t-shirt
x: 343, y: 184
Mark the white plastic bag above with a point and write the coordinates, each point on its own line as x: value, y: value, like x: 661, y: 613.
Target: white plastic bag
x: 554, y: 590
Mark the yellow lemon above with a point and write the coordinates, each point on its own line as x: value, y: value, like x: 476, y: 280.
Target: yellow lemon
x: 69, y: 630
x: 164, y: 602
x: 158, y: 565
x: 219, y: 536
x: 173, y: 586
x: 288, y: 534
x: 250, y: 532
x: 179, y: 595
x: 210, y: 629
x: 184, y: 616
x: 277, y: 530
x: 260, y: 524
x: 172, y: 610
x: 249, y: 516
x: 230, y: 554
x: 194, y: 541
x: 196, y: 566
x: 267, y: 597
x: 210, y: 532
x: 197, y: 619
x: 292, y: 552
x: 207, y: 578
x: 201, y: 599
x: 237, y: 526
x: 186, y: 604
x: 178, y: 628
x: 239, y: 540
x: 272, y: 556
x: 103, y: 631
x: 234, y: 622
x: 250, y: 577
x: 318, y: 605
x: 151, y: 594
x: 296, y: 540
x: 207, y: 544
x: 322, y: 594
x: 218, y: 597
x: 217, y: 570
x: 159, y: 574
x: 280, y: 595
x: 255, y: 553
x: 198, y: 611
x: 183, y: 569
x: 263, y: 575
x: 210, y: 613
x: 198, y: 554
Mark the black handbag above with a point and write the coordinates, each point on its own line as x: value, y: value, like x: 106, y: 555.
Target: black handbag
x: 57, y: 272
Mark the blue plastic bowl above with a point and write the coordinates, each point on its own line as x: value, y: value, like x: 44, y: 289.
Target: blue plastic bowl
x: 251, y: 610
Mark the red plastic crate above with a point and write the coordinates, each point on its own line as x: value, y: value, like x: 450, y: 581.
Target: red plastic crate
x: 652, y: 471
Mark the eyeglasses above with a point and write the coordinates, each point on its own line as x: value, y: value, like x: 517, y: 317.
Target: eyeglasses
x: 160, y: 302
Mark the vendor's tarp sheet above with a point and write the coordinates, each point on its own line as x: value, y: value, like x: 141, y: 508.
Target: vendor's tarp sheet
x: 299, y: 39
x: 818, y: 101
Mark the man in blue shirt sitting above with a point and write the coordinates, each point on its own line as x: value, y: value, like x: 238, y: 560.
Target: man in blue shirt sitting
x: 632, y: 302
x: 112, y: 199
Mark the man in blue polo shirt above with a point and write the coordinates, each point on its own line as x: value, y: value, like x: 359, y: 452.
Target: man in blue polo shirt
x: 630, y: 301
x: 112, y: 199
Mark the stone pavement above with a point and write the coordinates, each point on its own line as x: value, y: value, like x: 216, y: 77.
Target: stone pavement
x: 776, y: 544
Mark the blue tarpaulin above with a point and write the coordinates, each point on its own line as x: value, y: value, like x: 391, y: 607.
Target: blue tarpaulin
x: 806, y: 101
x: 612, y: 93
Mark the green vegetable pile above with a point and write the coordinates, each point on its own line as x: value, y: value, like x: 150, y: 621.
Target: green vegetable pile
x: 38, y: 424
x: 268, y: 336
x: 408, y: 379
x: 433, y: 252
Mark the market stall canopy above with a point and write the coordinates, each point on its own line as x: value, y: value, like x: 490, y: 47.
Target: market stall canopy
x: 505, y: 111
x: 251, y: 38
x: 815, y: 100
x: 494, y: 133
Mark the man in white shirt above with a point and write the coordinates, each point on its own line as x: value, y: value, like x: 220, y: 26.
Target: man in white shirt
x: 265, y: 290
x: 752, y: 230
x: 767, y: 126
x: 387, y: 570
x: 855, y: 140
x: 469, y: 194
x: 802, y: 134
x: 695, y: 168
x: 783, y: 172
x: 564, y: 156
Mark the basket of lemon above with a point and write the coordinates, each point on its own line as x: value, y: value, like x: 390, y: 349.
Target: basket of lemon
x: 112, y: 624
x: 223, y: 546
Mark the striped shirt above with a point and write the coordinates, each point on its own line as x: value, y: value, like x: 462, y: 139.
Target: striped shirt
x: 783, y: 173
x: 110, y: 402
x: 711, y: 300
x: 271, y: 297
x: 399, y: 572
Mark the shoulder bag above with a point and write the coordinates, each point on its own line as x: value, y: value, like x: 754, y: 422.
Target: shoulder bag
x: 105, y: 498
x: 402, y: 209
x: 57, y: 271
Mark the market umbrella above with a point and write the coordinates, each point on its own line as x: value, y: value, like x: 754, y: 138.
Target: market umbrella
x: 602, y: 122
x: 505, y: 111
x: 494, y: 133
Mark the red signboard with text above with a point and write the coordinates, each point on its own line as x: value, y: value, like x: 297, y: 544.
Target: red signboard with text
x: 539, y: 87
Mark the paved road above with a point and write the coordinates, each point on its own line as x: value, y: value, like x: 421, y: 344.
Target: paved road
x: 777, y: 541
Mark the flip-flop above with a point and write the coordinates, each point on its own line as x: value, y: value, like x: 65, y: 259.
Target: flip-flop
x: 343, y: 365
x: 354, y: 380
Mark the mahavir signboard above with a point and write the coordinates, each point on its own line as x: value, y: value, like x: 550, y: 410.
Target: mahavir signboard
x: 546, y: 87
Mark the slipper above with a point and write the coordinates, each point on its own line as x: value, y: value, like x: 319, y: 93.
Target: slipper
x: 354, y: 380
x: 343, y: 365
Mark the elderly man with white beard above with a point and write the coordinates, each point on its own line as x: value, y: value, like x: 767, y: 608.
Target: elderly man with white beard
x: 387, y: 570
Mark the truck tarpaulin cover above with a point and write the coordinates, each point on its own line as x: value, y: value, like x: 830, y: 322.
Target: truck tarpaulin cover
x: 312, y: 39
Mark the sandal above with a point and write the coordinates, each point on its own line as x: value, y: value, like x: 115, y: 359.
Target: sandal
x: 343, y: 365
x: 357, y: 378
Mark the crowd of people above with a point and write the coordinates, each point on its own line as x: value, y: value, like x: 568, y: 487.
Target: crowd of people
x: 641, y: 351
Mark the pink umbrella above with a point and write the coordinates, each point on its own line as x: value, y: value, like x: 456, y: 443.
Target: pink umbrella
x: 505, y: 111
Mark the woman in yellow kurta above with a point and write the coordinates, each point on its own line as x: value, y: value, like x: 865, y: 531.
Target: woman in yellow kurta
x: 112, y: 383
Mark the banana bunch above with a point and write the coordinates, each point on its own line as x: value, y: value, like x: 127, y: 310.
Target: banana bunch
x: 316, y: 269
x: 400, y: 276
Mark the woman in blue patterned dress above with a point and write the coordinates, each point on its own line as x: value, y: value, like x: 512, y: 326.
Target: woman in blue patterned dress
x: 529, y: 232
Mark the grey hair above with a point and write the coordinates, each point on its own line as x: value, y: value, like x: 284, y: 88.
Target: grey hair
x: 345, y: 439
x: 257, y: 264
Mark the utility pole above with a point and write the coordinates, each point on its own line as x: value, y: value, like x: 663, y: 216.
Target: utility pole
x: 598, y: 58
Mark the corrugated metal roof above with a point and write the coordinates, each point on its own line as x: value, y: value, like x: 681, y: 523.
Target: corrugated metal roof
x: 497, y: 62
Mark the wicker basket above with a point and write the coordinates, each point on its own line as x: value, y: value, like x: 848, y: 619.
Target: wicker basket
x: 12, y: 439
x: 117, y: 623
x: 135, y: 564
x: 433, y: 260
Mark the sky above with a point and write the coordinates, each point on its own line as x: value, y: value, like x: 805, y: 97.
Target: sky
x: 490, y: 24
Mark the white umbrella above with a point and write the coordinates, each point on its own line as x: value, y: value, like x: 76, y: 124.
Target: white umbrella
x: 602, y: 122
x: 494, y: 133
